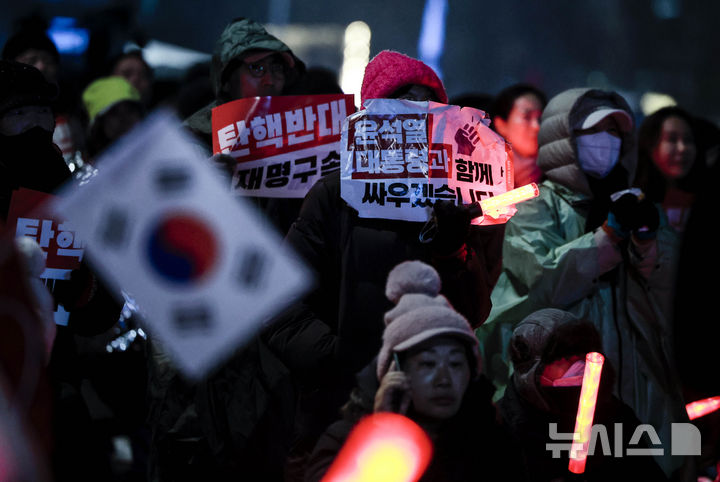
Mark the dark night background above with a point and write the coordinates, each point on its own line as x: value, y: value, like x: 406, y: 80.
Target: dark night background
x: 636, y: 46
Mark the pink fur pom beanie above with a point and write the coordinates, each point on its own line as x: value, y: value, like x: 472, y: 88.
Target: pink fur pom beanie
x: 420, y: 313
x: 389, y: 70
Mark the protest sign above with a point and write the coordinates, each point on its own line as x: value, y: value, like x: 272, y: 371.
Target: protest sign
x: 63, y: 249
x: 400, y: 156
x: 204, y: 270
x: 28, y: 215
x: 282, y: 144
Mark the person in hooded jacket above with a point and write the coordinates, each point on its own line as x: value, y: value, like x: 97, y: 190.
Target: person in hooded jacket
x: 335, y: 331
x: 428, y: 370
x: 250, y: 62
x: 548, y: 350
x: 606, y: 259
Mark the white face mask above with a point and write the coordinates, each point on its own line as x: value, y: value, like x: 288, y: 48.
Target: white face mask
x: 598, y: 153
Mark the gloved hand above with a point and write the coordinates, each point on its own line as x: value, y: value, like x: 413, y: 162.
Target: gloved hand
x: 631, y: 214
x: 452, y: 224
x: 649, y: 220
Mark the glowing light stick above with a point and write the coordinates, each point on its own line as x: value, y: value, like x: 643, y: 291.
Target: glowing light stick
x: 488, y: 207
x: 586, y: 411
x: 492, y: 206
x: 382, y: 447
x: 702, y: 407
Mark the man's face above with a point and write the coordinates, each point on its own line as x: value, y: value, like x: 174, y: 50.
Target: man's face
x: 41, y: 60
x: 266, y: 77
x: 522, y: 125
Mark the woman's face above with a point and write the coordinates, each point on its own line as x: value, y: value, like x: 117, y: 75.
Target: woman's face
x: 439, y: 374
x: 675, y: 151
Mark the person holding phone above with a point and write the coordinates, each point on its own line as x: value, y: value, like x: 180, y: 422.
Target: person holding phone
x: 427, y: 370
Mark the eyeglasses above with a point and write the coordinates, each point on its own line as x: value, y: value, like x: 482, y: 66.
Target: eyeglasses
x: 259, y: 69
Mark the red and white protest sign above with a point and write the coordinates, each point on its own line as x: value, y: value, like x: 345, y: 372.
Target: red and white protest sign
x: 399, y: 157
x: 282, y: 144
x: 28, y: 216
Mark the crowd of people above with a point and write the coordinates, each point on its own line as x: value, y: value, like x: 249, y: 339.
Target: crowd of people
x: 479, y: 334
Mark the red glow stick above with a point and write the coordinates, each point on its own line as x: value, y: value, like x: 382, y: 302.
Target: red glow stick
x: 586, y: 411
x: 702, y: 407
x: 382, y: 447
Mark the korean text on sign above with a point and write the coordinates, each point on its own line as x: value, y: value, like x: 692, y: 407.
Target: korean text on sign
x: 63, y: 249
x: 399, y: 157
x: 282, y: 145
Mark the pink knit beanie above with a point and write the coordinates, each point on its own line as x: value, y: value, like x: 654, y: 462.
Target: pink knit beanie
x: 389, y: 70
x: 420, y: 313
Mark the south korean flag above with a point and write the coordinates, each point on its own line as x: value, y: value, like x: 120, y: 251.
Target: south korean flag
x: 160, y: 226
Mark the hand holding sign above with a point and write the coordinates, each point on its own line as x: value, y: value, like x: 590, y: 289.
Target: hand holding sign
x: 451, y: 226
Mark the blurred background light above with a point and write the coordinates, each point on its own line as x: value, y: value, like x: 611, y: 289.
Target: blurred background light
x: 653, y: 101
x: 167, y: 55
x: 356, y: 55
x: 432, y: 34
x: 666, y: 9
x: 68, y: 38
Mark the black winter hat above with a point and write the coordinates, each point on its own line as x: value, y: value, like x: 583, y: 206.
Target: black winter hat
x: 22, y: 84
x: 29, y: 38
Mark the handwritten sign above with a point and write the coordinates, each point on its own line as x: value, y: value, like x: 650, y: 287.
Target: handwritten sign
x: 399, y: 157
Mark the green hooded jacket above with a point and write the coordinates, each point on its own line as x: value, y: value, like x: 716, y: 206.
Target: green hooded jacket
x: 550, y: 261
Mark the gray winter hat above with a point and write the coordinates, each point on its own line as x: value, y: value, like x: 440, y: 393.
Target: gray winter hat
x: 421, y: 313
